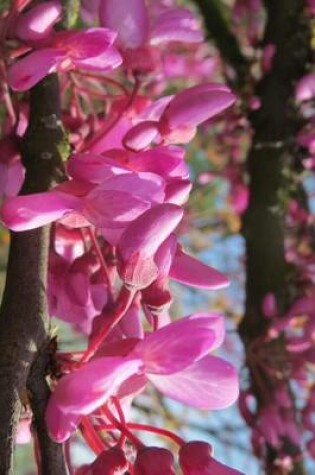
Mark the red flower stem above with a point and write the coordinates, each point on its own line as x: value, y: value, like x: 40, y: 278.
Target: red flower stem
x: 157, y: 430
x: 104, y: 267
x: 111, y: 318
x: 91, y: 436
x: 119, y: 410
x: 109, y: 127
x: 102, y: 78
x: 83, y: 88
x: 121, y: 427
x: 122, y: 419
x: 146, y: 428
x: 21, y: 4
x: 6, y: 95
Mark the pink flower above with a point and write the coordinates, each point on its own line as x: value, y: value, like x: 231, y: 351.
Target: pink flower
x: 174, y: 358
x: 154, y: 461
x: 305, y: 88
x: 90, y: 49
x: 130, y: 20
x: 83, y: 391
x: 181, y: 115
x: 37, y: 23
x: 141, y: 240
x: 79, y: 203
x: 141, y: 29
x: 167, y: 162
x: 250, y: 11
x: 11, y: 169
x: 268, y: 55
x: 74, y: 294
x: 146, y: 255
x: 195, y: 458
x: 177, y: 363
x: 188, y: 270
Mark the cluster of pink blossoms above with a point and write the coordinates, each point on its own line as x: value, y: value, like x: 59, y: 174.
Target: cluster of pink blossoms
x: 116, y: 223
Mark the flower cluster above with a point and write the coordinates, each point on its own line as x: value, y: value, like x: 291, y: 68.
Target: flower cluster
x: 116, y: 222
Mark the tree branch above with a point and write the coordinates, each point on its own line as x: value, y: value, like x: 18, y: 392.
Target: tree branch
x: 51, y: 453
x: 224, y: 39
x: 24, y: 320
x: 271, y: 162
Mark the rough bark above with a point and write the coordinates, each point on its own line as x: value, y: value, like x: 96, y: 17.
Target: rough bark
x: 270, y: 164
x: 224, y: 39
x: 24, y: 321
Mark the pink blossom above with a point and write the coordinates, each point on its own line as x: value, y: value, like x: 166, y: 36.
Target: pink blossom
x: 269, y: 305
x: 11, y: 168
x: 157, y: 295
x: 268, y: 55
x: 83, y: 391
x: 249, y: 10
x: 196, y: 458
x: 90, y: 49
x: 74, y: 294
x: 141, y: 29
x: 174, y: 358
x: 80, y: 203
x: 89, y: 10
x: 130, y: 20
x: 141, y: 240
x: 37, y: 23
x: 188, y: 270
x: 181, y: 368
x: 305, y: 88
x: 181, y: 116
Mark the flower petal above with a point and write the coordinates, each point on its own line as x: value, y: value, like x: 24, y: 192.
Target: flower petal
x: 145, y: 235
x: 176, y: 24
x: 37, y: 23
x: 141, y: 135
x: 84, y: 44
x: 28, y: 71
x: 84, y: 390
x: 113, y: 209
x: 94, y: 168
x: 21, y: 213
x: 179, y: 344
x: 129, y: 19
x: 196, y: 104
x: 210, y: 383
x: 106, y: 61
x: 188, y: 270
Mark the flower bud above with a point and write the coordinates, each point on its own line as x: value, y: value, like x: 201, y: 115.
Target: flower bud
x: 154, y: 461
x: 195, y: 458
x: 110, y: 462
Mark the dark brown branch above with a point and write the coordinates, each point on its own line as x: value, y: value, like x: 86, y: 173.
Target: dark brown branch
x: 271, y: 162
x: 223, y: 38
x: 51, y: 453
x: 24, y: 321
